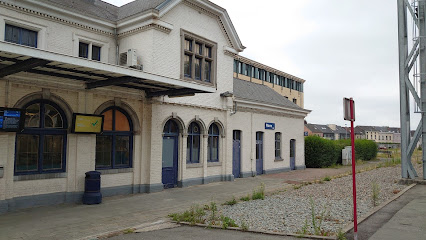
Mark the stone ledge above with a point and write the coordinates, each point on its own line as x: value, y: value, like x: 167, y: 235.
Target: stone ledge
x: 40, y: 176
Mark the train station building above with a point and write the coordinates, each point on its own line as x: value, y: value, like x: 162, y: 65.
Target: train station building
x: 166, y: 98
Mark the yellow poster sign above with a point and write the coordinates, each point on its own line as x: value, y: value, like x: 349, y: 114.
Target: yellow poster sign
x: 88, y: 124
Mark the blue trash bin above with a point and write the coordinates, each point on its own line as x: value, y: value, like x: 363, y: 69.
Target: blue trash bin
x: 92, y: 188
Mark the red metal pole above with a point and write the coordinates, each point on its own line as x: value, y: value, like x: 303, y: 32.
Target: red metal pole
x: 353, y: 169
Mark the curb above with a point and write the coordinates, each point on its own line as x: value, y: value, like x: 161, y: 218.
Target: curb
x: 350, y: 226
x: 259, y: 231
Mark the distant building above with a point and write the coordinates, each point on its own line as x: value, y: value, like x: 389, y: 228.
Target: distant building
x: 330, y: 131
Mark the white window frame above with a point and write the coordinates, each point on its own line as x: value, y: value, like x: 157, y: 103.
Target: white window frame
x: 40, y: 29
x: 103, y: 45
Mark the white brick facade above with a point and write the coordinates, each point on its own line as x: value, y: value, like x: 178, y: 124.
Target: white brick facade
x: 160, y: 52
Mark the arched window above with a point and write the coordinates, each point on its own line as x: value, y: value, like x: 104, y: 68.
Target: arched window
x: 213, y: 144
x: 40, y: 147
x: 193, y: 144
x: 114, y: 145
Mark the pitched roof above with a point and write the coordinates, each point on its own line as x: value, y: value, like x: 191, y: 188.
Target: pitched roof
x: 260, y: 93
x: 318, y: 128
x: 108, y: 11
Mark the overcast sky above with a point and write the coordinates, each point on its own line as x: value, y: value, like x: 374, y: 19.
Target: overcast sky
x: 341, y: 48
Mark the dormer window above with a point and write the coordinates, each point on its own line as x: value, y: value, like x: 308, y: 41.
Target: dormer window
x: 198, y: 58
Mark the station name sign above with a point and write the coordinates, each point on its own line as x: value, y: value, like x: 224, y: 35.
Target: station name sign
x: 270, y: 126
x: 11, y: 119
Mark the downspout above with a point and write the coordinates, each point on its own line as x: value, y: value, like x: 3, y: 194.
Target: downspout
x: 116, y: 47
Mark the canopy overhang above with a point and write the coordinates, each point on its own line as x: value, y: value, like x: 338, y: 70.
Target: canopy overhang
x: 16, y: 59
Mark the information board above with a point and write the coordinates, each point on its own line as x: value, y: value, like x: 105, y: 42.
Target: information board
x: 87, y: 123
x: 11, y: 119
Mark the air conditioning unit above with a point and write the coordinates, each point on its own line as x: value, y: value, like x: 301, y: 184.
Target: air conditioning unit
x: 130, y: 59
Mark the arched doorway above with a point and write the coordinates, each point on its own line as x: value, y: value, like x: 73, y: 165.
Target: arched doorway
x: 170, y: 154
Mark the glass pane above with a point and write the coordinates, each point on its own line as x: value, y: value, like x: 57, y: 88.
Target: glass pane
x: 83, y: 50
x: 215, y: 149
x: 168, y: 151
x: 52, y: 118
x: 121, y: 122
x: 96, y: 53
x: 199, y: 48
x: 196, y: 149
x: 187, y: 65
x: 188, y: 149
x: 197, y: 68
x: 208, y: 52
x: 52, y: 152
x: 103, y: 151
x: 122, y: 151
x: 107, y: 120
x: 32, y: 116
x: 32, y: 39
x: 207, y: 71
x: 27, y: 153
x: 188, y: 44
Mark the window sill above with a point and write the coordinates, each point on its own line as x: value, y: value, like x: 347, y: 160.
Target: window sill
x: 278, y: 160
x: 114, y: 171
x: 39, y: 176
x: 194, y: 165
x: 213, y: 164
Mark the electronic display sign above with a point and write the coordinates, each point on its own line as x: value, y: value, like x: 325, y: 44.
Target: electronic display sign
x: 11, y: 119
x: 87, y: 123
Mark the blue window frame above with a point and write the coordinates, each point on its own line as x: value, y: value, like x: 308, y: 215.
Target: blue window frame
x: 213, y: 144
x: 114, y: 147
x: 41, y: 146
x: 20, y: 36
x: 83, y: 50
x: 193, y: 144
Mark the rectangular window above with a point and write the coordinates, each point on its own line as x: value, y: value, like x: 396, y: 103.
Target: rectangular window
x: 295, y: 100
x: 122, y: 151
x: 240, y: 68
x: 96, y: 53
x: 20, y: 35
x: 83, y: 50
x: 277, y: 145
x: 52, y: 152
x: 199, y: 58
x: 103, y: 151
x: 187, y: 65
x: 247, y: 70
x: 198, y: 68
x: 27, y: 153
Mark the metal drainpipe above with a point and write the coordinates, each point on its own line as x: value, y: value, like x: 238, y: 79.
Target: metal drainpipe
x: 116, y: 47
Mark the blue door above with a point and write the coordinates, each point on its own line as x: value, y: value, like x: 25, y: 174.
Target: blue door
x: 236, y: 154
x: 170, y: 154
x: 292, y: 154
x: 259, y: 153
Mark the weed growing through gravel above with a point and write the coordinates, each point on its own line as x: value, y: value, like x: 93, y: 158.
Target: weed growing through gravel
x: 259, y: 193
x: 129, y: 230
x: 194, y: 215
x: 326, y: 178
x: 375, y: 193
x: 246, y: 198
x: 231, y: 202
x: 244, y: 225
x: 227, y: 222
x: 341, y: 235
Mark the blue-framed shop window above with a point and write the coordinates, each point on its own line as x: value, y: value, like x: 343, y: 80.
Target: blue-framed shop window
x: 193, y: 144
x: 114, y: 147
x: 41, y: 146
x: 20, y: 36
x: 213, y: 144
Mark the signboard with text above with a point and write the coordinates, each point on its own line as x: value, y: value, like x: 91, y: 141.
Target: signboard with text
x: 270, y: 126
x: 11, y: 119
x: 87, y: 123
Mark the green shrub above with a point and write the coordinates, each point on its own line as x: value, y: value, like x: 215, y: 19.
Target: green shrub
x: 365, y: 149
x: 320, y: 152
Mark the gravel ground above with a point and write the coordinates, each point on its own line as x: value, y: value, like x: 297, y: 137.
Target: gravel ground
x: 288, y: 211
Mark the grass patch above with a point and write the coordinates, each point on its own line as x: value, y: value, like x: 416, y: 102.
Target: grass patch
x: 128, y: 231
x: 326, y: 178
x: 259, y: 193
x: 231, y: 202
x: 246, y: 198
x: 227, y: 222
x: 194, y: 215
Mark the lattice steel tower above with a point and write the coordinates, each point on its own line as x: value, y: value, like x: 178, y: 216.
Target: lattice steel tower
x: 412, y: 79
